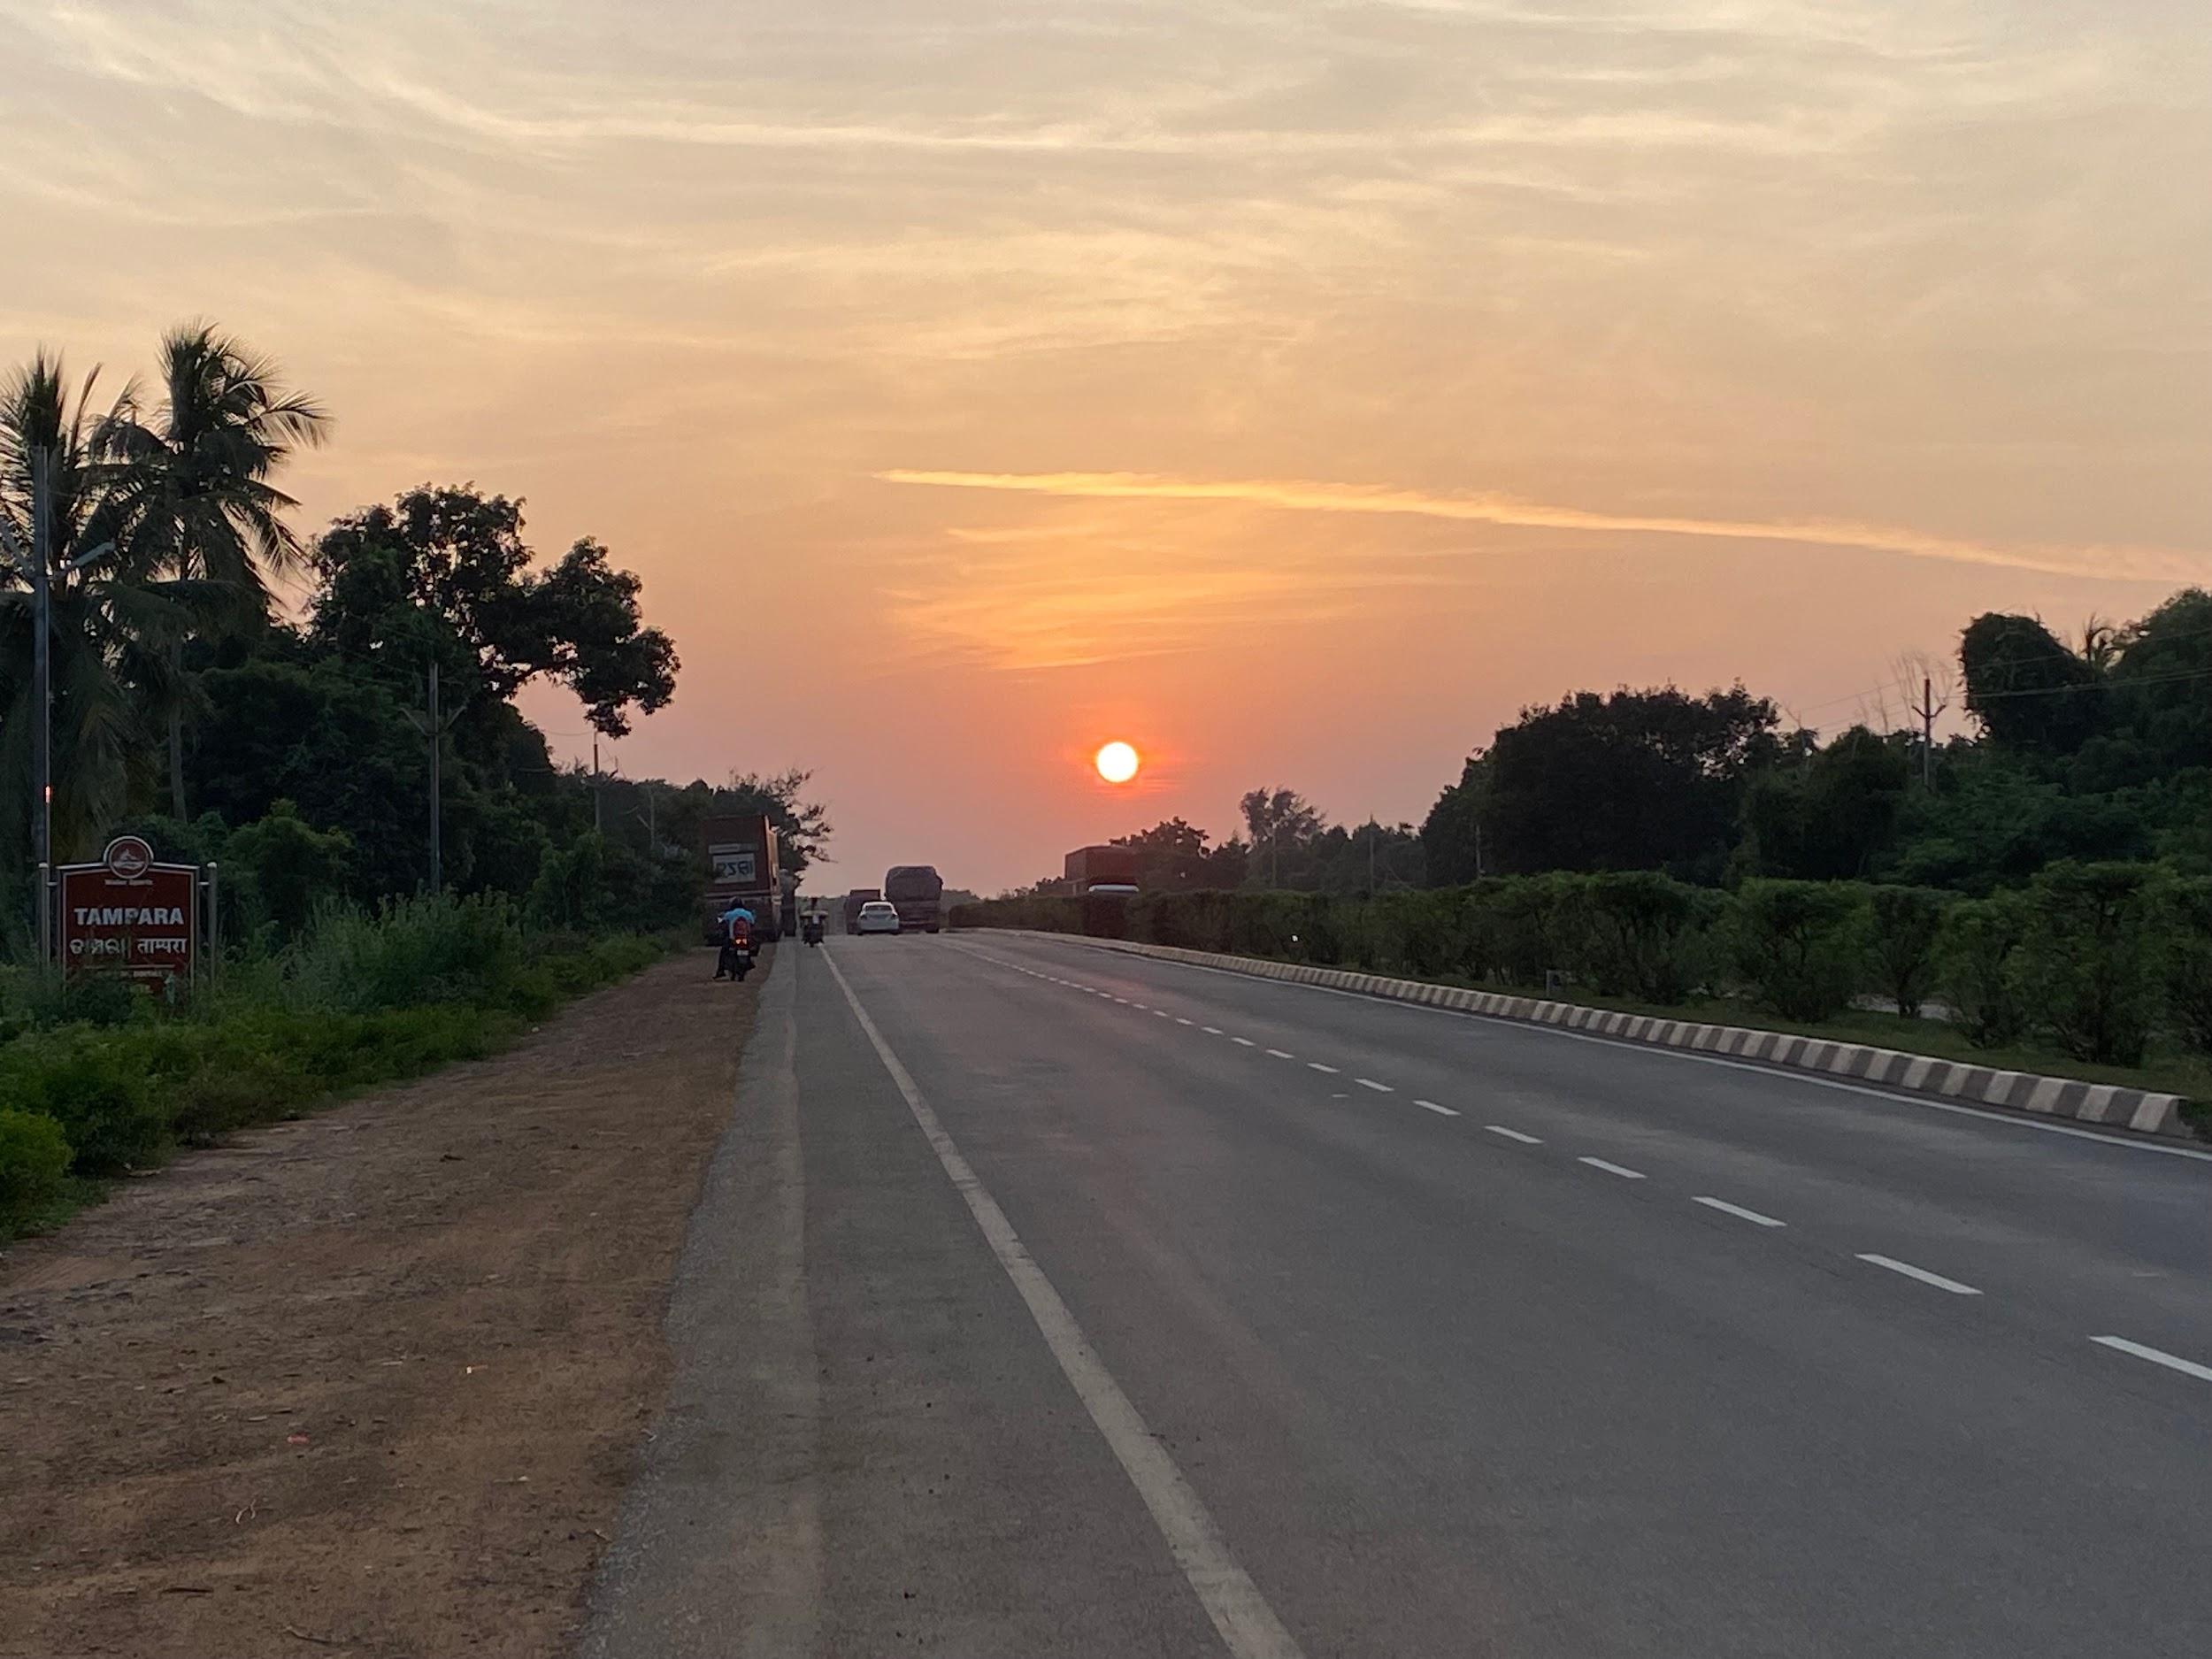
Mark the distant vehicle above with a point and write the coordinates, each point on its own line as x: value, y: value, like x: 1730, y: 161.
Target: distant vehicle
x: 854, y: 900
x: 879, y: 915
x: 739, y: 854
x: 1106, y: 870
x: 917, y: 892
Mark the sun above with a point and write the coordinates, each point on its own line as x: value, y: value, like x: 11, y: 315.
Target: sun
x: 1118, y: 762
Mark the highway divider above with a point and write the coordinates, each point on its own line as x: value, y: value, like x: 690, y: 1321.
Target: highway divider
x: 2105, y: 1104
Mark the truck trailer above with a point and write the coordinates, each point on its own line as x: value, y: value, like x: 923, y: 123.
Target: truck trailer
x: 1101, y: 870
x: 917, y: 891
x: 739, y: 854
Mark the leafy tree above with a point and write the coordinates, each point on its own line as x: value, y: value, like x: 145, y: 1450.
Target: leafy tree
x: 1632, y: 781
x: 2087, y: 959
x: 444, y: 576
x: 292, y: 867
x: 2026, y: 688
x: 1832, y: 815
x: 1452, y: 834
x: 1906, y: 923
x: 1279, y: 821
x: 1799, y: 944
x: 1980, y: 961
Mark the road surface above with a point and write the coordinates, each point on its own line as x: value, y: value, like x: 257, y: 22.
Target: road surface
x: 1047, y: 1300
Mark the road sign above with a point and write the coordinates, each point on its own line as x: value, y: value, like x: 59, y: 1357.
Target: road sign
x: 129, y: 914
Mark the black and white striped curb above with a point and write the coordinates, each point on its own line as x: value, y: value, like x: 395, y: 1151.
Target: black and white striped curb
x: 2105, y: 1103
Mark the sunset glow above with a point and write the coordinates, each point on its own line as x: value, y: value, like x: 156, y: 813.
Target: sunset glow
x: 1320, y: 383
x: 1117, y: 762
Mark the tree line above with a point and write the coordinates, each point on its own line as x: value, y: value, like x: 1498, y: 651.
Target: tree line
x: 189, y: 706
x: 2096, y: 749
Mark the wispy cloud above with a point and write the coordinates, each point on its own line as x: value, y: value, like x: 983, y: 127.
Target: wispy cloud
x: 2132, y: 564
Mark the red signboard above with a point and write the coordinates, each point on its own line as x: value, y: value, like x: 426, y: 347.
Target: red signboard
x: 129, y: 915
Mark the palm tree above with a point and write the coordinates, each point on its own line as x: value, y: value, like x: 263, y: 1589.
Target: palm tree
x: 100, y: 610
x: 200, y: 509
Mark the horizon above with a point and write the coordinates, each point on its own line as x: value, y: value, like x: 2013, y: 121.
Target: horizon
x: 1294, y: 398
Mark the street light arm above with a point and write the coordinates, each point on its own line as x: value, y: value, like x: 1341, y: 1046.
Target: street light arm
x: 83, y: 559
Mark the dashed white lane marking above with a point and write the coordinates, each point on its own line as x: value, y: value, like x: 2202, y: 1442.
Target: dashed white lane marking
x: 2186, y: 1367
x: 1513, y: 1134
x: 1182, y: 1021
x: 1161, y: 1013
x: 1625, y: 1173
x: 1247, y: 1626
x: 1243, y: 1042
x: 1282, y: 1054
x: 1380, y: 1088
x: 1211, y: 1031
x: 1315, y: 1065
x: 1123, y: 1001
x: 1441, y: 1111
x: 1920, y: 1273
x: 1740, y: 1212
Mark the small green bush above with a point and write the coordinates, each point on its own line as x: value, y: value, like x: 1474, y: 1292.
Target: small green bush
x: 1644, y: 934
x: 1801, y: 945
x: 1906, y: 924
x: 95, y: 1084
x: 1978, y: 965
x: 2086, y: 959
x: 34, y: 1164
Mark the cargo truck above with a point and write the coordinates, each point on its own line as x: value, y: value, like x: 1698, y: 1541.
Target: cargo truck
x: 854, y: 900
x: 917, y: 891
x: 1101, y: 870
x: 739, y: 854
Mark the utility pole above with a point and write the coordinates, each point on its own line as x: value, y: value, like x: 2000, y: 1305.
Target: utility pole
x: 434, y: 727
x: 42, y: 661
x: 1371, y: 828
x: 595, y: 786
x: 1927, y: 710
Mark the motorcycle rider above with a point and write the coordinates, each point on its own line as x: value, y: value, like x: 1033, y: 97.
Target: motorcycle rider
x: 737, y: 958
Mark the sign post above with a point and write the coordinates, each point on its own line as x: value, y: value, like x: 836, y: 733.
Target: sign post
x: 130, y: 916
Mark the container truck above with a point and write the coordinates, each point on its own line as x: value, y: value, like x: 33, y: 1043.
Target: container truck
x: 1101, y: 870
x: 917, y: 891
x: 854, y: 900
x: 740, y: 853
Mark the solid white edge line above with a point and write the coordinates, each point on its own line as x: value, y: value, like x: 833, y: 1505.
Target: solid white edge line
x: 1514, y: 1134
x: 2171, y: 1361
x: 1380, y: 1088
x: 1783, y: 1074
x: 1740, y: 1212
x: 1247, y: 1624
x: 1441, y: 1111
x: 1920, y: 1273
x: 1621, y: 1171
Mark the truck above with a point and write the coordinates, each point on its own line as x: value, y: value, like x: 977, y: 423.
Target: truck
x: 917, y: 891
x: 854, y: 900
x: 739, y: 851
x: 1101, y: 870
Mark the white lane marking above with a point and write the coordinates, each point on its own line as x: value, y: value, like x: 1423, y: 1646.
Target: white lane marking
x: 1211, y: 1031
x: 1740, y: 1212
x: 2014, y: 1120
x: 1159, y: 1013
x: 1243, y: 1042
x: 1920, y: 1273
x: 1142, y: 1008
x: 1513, y: 1134
x: 1248, y: 1627
x: 1613, y: 1169
x: 2186, y: 1367
x: 1315, y: 1065
x: 1123, y: 1001
x: 1380, y: 1088
x: 1182, y: 1021
x: 1282, y: 1054
x: 1441, y: 1111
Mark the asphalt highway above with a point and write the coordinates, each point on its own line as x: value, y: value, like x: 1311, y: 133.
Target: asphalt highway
x: 1049, y: 1300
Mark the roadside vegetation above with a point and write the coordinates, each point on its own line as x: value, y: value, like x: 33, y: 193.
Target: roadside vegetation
x: 2041, y: 882
x: 293, y: 744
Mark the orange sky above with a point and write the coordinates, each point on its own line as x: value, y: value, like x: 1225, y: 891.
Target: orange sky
x: 1294, y: 390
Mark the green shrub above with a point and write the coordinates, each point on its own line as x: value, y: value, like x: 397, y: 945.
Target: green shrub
x: 1905, y: 924
x: 2187, y: 907
x: 1644, y: 934
x: 429, y: 948
x: 1978, y: 965
x: 93, y: 1084
x: 1799, y: 944
x: 33, y: 1163
x: 2086, y: 959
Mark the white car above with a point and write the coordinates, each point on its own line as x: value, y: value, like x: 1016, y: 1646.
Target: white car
x: 879, y: 915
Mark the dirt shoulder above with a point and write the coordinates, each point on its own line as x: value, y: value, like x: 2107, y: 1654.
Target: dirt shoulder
x: 371, y: 1382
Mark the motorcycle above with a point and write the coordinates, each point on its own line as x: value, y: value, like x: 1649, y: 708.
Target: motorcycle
x: 811, y: 930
